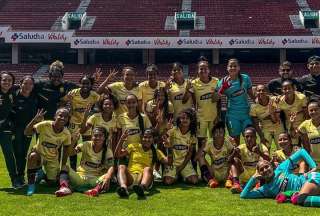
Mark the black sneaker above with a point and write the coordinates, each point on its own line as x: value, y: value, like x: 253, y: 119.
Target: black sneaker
x: 122, y: 192
x: 138, y: 189
x: 17, y: 184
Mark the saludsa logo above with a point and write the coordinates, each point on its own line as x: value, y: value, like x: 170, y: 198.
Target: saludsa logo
x: 137, y: 42
x: 294, y: 41
x: 241, y: 42
x: 27, y: 36
x: 189, y: 42
x: 85, y: 41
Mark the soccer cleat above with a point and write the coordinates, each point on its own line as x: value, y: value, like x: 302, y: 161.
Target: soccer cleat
x: 228, y: 184
x: 138, y: 189
x: 122, y: 192
x: 63, y: 191
x: 40, y: 175
x: 236, y: 188
x: 213, y: 183
x: 257, y: 185
x: 92, y: 192
x: 157, y: 175
x: 31, y: 189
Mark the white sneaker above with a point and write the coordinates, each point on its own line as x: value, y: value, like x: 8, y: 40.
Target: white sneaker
x: 157, y: 175
x: 64, y: 191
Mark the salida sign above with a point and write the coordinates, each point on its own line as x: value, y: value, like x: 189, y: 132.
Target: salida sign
x: 38, y: 37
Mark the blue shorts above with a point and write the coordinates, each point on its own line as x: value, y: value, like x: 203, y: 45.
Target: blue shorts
x: 236, y: 125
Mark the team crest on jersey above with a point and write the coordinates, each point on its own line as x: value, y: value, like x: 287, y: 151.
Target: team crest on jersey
x: 61, y: 90
x: 178, y: 97
x: 315, y: 141
x: 180, y: 147
x: 122, y: 101
x: 205, y: 96
x: 49, y: 145
x: 238, y: 93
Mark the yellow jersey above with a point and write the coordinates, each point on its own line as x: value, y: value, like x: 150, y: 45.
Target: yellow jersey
x: 119, y: 90
x: 49, y: 142
x: 140, y: 159
x: 263, y: 115
x: 96, y: 120
x: 250, y: 159
x: 299, y: 103
x: 176, y: 93
x: 180, y: 143
x: 279, y: 155
x: 313, y: 133
x: 79, y: 104
x: 132, y: 125
x: 219, y: 157
x: 206, y: 109
x: 91, y: 164
x: 147, y: 92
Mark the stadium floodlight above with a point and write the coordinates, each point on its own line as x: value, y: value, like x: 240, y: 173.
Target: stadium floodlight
x: 310, y: 18
x: 185, y: 20
x: 73, y: 20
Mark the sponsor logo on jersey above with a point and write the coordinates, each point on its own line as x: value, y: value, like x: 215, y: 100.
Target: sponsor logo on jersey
x: 133, y: 131
x: 178, y: 97
x: 250, y: 164
x: 220, y: 161
x: 180, y: 147
x: 49, y: 145
x: 81, y: 110
x: 91, y: 164
x: 315, y: 141
x: 237, y: 93
x: 205, y: 96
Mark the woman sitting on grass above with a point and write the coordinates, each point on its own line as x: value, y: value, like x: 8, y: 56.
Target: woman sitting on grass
x: 283, y: 179
x: 246, y: 158
x: 182, y: 139
x: 142, y: 157
x: 96, y: 167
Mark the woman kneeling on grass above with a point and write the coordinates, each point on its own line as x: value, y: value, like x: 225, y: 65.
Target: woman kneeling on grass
x: 96, y: 167
x: 51, y: 135
x: 142, y: 157
x: 221, y: 150
x: 282, y: 179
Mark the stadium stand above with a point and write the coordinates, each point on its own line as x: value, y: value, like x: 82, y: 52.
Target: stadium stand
x: 140, y: 18
x: 248, y: 17
x: 19, y: 70
x: 34, y: 14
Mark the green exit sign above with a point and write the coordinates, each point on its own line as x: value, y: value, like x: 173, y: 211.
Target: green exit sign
x: 185, y: 15
x: 313, y: 15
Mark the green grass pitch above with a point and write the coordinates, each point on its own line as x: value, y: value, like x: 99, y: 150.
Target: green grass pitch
x: 180, y: 199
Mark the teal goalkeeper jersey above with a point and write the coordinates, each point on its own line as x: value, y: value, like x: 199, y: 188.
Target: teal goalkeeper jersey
x: 237, y: 96
x: 284, y: 179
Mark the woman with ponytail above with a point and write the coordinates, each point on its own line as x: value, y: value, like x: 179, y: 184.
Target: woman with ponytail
x: 96, y: 168
x: 236, y: 87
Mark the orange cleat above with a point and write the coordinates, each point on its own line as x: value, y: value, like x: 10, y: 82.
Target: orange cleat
x: 236, y: 188
x: 213, y: 183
